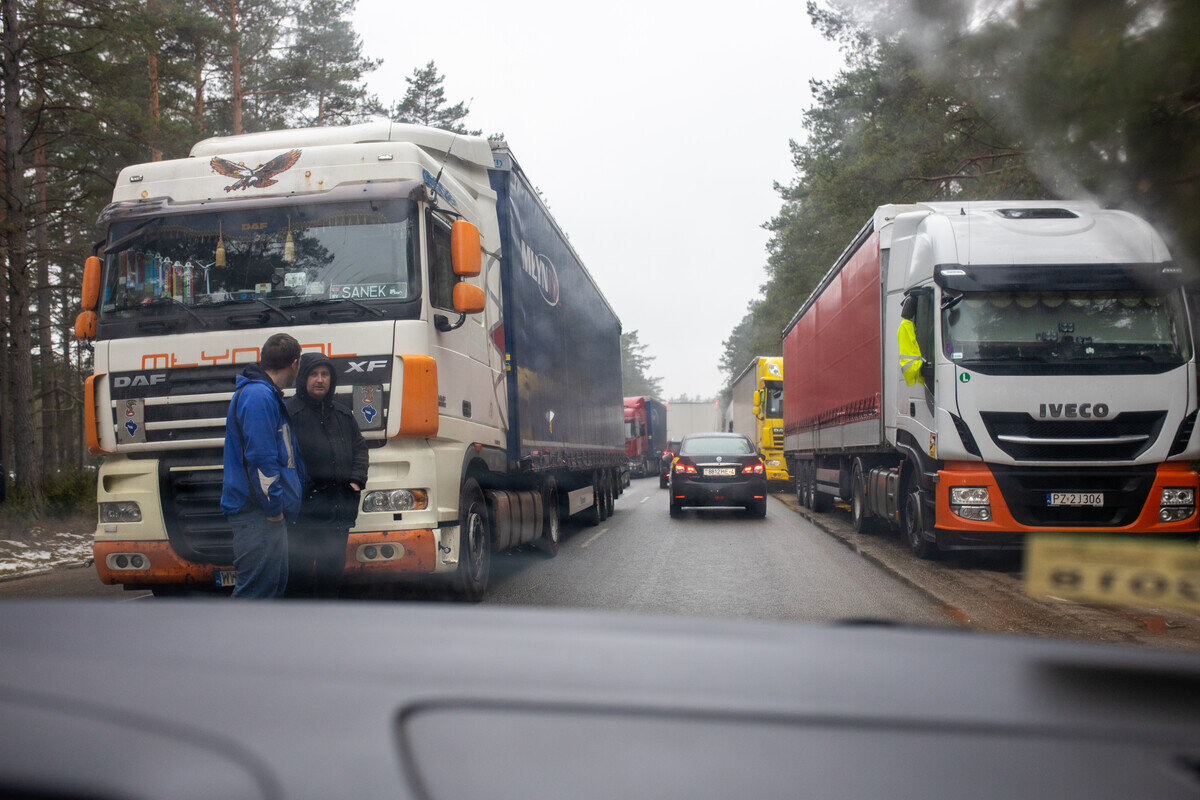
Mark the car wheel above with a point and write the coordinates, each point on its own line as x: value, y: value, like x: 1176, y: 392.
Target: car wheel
x: 551, y: 522
x: 914, y: 521
x: 676, y: 509
x: 860, y: 515
x: 662, y: 481
x: 758, y: 509
x: 474, y: 544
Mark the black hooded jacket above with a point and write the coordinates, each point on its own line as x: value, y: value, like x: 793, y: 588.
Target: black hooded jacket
x: 332, y: 446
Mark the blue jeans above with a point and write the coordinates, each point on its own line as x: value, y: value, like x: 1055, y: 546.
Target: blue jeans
x: 260, y: 554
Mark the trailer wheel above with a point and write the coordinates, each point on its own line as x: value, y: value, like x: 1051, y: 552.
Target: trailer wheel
x: 610, y: 493
x: 913, y: 520
x: 860, y: 514
x: 595, y: 514
x: 551, y: 532
x: 801, y: 474
x: 474, y: 543
x: 818, y: 500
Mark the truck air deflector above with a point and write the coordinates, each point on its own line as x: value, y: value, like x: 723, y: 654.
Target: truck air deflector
x: 1058, y: 277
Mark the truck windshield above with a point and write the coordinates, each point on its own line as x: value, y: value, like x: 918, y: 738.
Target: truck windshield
x: 1067, y: 327
x: 773, y: 408
x: 286, y: 255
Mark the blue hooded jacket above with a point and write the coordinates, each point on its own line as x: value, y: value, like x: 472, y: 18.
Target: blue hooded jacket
x: 262, y: 457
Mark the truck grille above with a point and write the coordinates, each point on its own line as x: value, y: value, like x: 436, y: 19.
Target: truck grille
x: 1122, y: 438
x: 1025, y: 492
x: 777, y: 438
x: 190, y: 488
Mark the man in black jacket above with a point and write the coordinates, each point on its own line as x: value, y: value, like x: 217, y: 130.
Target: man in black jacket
x: 333, y: 447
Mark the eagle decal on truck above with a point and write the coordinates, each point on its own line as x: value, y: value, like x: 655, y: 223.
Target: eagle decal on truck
x: 260, y: 177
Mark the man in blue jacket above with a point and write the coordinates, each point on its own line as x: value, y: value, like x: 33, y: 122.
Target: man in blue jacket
x: 263, y: 470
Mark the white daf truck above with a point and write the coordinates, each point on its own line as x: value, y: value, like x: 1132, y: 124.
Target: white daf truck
x: 1058, y: 390
x: 477, y: 354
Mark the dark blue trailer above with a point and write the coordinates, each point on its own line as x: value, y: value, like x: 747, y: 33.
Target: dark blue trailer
x: 562, y: 341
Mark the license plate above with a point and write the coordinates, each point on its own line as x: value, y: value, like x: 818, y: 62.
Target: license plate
x: 225, y: 577
x: 1074, y: 498
x: 717, y: 472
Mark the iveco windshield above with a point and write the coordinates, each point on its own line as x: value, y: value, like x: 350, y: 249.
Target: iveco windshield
x: 286, y: 256
x: 1067, y: 327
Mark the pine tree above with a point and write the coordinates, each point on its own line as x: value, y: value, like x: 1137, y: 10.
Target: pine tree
x: 635, y: 366
x: 424, y: 103
x: 325, y: 66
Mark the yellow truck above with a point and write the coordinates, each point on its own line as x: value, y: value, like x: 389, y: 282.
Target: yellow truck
x: 756, y: 409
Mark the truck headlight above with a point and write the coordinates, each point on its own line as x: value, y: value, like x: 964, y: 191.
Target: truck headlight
x: 1176, y: 504
x: 396, y: 500
x: 773, y: 462
x: 1178, y: 496
x: 980, y: 513
x: 127, y: 511
x: 968, y: 495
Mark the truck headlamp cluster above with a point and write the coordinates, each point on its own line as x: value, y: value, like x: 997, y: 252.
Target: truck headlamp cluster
x: 127, y: 561
x: 396, y: 500
x: 1177, y: 503
x: 126, y: 511
x: 971, y: 502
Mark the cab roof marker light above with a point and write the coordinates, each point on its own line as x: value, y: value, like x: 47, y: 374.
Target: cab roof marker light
x: 954, y: 273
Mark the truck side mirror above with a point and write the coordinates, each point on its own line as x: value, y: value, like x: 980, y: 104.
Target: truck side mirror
x: 85, y: 325
x: 757, y: 401
x: 464, y: 249
x: 90, y: 291
x: 467, y: 298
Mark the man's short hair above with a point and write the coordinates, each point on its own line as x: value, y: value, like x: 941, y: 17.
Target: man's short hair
x: 279, y: 352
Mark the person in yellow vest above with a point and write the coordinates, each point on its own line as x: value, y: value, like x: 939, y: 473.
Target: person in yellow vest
x: 911, y: 362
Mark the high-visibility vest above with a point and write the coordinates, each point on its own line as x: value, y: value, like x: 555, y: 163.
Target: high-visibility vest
x: 910, y: 353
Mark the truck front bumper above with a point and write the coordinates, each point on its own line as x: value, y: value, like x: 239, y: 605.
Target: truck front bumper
x: 1018, y: 502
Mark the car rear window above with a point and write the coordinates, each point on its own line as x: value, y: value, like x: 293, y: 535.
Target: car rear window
x: 716, y: 446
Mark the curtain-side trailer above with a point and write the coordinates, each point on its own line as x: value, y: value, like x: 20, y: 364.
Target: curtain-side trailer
x: 1051, y: 382
x: 756, y: 409
x: 476, y: 352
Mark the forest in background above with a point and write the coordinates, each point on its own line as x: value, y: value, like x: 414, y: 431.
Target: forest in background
x: 979, y: 100
x: 91, y: 86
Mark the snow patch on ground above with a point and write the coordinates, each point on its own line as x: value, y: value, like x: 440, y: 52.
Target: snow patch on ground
x: 43, y: 548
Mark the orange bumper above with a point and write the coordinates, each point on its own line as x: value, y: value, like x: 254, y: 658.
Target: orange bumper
x: 959, y: 473
x: 411, y: 552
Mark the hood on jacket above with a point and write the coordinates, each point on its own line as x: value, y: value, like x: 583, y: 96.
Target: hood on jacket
x: 253, y: 372
x: 309, y: 362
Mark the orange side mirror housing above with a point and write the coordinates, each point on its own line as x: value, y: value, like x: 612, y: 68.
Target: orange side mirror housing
x: 90, y: 291
x: 464, y: 249
x: 468, y: 298
x: 85, y: 325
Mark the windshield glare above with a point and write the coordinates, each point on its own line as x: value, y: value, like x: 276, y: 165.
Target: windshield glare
x: 296, y: 254
x: 1067, y: 327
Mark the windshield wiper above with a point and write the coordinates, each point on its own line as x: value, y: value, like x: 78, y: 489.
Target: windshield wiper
x: 169, y: 299
x: 288, y: 317
x: 327, y: 300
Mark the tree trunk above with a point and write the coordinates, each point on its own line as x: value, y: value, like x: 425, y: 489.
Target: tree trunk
x: 235, y: 57
x: 45, y: 303
x: 6, y: 450
x: 198, y: 108
x: 152, y: 72
x: 19, y: 297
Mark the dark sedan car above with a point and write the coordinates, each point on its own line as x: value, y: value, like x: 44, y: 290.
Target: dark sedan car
x: 667, y: 457
x: 718, y: 469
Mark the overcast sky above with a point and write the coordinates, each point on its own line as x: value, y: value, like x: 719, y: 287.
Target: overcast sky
x: 655, y: 131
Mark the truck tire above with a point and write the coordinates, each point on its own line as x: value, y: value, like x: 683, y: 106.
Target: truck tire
x: 819, y: 501
x: 474, y: 543
x: 600, y: 493
x: 912, y: 520
x: 860, y: 514
x: 802, y: 484
x: 595, y: 514
x: 610, y: 494
x: 551, y: 520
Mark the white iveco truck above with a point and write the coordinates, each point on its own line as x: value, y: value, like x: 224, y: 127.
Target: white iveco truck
x: 1058, y: 391
x: 476, y: 352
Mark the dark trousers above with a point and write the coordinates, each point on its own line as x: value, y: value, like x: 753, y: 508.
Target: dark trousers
x: 317, y: 558
x: 260, y: 553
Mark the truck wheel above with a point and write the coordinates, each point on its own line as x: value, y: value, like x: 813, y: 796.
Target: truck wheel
x: 860, y: 515
x: 595, y: 514
x: 551, y: 532
x: 802, y: 485
x: 914, y: 521
x: 818, y: 500
x: 610, y: 499
x: 474, y: 543
x: 600, y: 494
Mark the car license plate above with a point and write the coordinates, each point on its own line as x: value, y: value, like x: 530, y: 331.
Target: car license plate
x: 225, y: 577
x: 717, y: 472
x: 1074, y: 498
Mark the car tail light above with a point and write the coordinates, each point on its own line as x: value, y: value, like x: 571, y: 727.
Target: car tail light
x: 685, y: 466
x: 756, y: 468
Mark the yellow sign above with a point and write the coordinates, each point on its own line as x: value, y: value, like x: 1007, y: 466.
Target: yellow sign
x: 1111, y: 571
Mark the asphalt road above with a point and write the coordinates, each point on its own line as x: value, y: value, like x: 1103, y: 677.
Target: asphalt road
x: 794, y: 565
